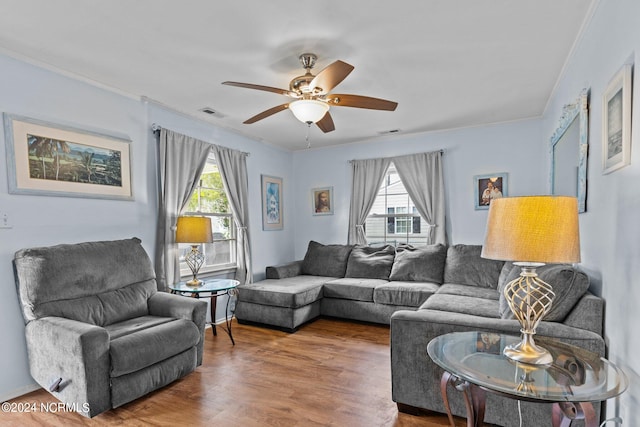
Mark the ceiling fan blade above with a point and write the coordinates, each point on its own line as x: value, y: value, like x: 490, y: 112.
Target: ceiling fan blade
x: 326, y: 123
x: 260, y: 87
x: 266, y: 114
x: 331, y: 76
x: 357, y: 101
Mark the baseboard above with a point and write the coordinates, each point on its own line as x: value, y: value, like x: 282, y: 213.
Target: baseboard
x: 19, y: 392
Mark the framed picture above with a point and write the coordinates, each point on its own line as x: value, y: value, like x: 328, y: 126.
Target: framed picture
x: 271, y: 203
x: 322, y: 201
x: 46, y: 159
x: 616, y: 121
x: 489, y: 187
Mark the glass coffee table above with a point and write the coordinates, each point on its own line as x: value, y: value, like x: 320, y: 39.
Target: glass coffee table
x: 212, y: 289
x: 474, y: 364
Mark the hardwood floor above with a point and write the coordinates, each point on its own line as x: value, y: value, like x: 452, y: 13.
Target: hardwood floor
x: 329, y: 373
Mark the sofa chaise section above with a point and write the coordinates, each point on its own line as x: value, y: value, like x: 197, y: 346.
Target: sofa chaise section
x: 282, y: 303
x: 351, y: 282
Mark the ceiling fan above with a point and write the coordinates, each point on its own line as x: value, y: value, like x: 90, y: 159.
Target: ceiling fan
x: 312, y: 99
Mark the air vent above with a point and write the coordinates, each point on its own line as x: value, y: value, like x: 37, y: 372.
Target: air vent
x: 210, y: 111
x: 389, y: 132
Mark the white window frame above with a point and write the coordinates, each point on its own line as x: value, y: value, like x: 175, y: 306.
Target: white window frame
x: 213, y: 268
x: 390, y: 238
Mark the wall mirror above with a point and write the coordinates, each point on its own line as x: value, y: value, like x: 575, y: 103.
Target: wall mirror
x: 569, y: 147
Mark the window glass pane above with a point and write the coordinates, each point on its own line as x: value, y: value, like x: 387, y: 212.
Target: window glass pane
x: 209, y: 196
x: 392, y: 206
x: 210, y: 199
x: 416, y: 222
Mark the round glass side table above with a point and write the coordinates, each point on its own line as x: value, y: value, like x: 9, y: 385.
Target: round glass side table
x: 474, y: 364
x: 212, y: 288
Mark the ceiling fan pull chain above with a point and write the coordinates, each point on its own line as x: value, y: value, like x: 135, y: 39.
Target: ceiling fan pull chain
x: 307, y: 137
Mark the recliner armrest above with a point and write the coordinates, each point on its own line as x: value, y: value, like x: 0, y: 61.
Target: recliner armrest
x: 164, y: 304
x: 76, y: 352
x: 283, y: 271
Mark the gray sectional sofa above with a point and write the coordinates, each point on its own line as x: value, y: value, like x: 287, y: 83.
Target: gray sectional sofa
x: 422, y: 292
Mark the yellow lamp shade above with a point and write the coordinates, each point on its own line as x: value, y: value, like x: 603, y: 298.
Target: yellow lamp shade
x: 541, y: 229
x: 194, y: 229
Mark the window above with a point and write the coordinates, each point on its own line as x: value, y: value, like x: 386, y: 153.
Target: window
x: 394, y: 207
x: 209, y: 199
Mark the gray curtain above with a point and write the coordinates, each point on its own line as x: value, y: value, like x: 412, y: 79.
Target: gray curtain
x: 182, y: 160
x: 233, y: 170
x: 367, y: 177
x: 421, y: 175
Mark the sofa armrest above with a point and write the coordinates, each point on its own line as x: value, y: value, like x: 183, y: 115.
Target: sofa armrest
x: 588, y: 313
x: 283, y: 271
x: 76, y: 352
x: 164, y: 304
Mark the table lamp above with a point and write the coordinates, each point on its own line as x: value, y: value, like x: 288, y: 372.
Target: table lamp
x: 531, y: 231
x: 194, y: 230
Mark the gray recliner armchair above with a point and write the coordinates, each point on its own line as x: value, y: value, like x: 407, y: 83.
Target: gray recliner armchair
x: 98, y: 332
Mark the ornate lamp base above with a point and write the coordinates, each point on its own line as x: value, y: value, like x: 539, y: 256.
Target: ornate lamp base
x: 526, y: 351
x: 529, y: 299
x: 194, y: 260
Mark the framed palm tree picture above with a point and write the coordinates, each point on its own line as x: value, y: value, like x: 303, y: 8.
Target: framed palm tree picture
x: 53, y: 160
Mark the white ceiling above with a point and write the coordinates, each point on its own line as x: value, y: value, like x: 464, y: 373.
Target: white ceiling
x: 447, y: 63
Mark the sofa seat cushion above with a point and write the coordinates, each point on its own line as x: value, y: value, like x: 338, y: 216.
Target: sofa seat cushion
x: 371, y: 262
x: 408, y: 294
x: 469, y: 291
x: 463, y: 304
x: 464, y: 266
x: 292, y: 292
x: 132, y: 352
x: 326, y: 260
x: 419, y: 264
x: 357, y: 289
x: 126, y: 327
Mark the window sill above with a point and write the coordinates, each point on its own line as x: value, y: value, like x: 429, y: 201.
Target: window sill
x: 210, y: 272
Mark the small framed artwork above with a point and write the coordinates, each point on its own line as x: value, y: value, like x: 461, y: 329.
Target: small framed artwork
x: 47, y: 159
x: 271, y: 203
x: 322, y: 201
x: 616, y: 121
x: 489, y: 187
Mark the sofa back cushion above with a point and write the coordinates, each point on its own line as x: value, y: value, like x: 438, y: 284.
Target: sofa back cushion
x: 419, y: 264
x: 93, y: 282
x: 464, y: 266
x: 569, y: 285
x: 326, y: 260
x: 370, y: 262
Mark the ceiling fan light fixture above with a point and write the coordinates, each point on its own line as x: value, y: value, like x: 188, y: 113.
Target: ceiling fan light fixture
x: 309, y: 110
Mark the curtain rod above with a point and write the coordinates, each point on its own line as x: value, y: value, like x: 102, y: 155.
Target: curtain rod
x: 155, y: 128
x: 441, y: 151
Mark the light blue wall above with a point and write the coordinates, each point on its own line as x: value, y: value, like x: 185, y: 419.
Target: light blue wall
x: 610, y: 229
x: 515, y: 148
x: 41, y: 221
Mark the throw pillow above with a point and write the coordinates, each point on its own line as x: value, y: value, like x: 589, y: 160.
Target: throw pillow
x: 509, y: 272
x: 464, y: 266
x: 370, y: 262
x: 326, y: 260
x: 569, y: 285
x: 419, y: 264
